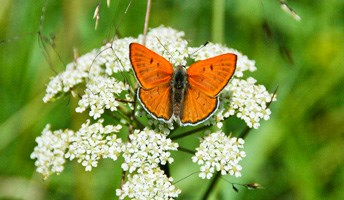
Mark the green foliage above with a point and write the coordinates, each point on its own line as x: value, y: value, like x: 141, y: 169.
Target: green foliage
x: 297, y: 154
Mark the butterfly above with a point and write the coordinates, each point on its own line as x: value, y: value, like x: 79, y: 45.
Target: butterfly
x: 188, y: 96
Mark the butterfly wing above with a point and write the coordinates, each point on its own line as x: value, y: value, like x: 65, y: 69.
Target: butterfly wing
x: 210, y: 76
x: 206, y: 79
x: 150, y: 69
x: 154, y: 74
x: 197, y: 106
x: 157, y: 101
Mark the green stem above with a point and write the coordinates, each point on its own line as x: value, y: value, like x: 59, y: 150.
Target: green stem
x: 187, y: 133
x: 211, y: 185
x: 245, y: 132
x: 186, y: 150
x: 218, y: 21
x: 145, y: 29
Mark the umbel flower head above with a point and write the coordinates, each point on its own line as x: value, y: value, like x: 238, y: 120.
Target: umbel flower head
x: 106, y: 85
x: 150, y: 184
x: 221, y: 153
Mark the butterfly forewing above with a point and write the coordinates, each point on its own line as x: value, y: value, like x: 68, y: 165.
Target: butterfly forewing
x: 197, y: 107
x: 210, y: 76
x: 157, y: 101
x: 151, y: 70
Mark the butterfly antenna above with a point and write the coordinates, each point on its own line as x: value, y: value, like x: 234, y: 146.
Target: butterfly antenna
x: 172, y: 56
x: 164, y: 46
x: 203, y: 45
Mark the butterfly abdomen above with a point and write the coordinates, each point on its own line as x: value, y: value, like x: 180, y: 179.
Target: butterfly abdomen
x: 178, y: 85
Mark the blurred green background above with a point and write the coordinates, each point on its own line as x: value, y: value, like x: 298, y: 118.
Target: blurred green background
x: 297, y: 154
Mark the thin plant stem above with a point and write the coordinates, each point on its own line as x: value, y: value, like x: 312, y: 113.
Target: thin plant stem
x: 186, y: 150
x: 211, y: 185
x: 123, y: 178
x: 218, y: 20
x: 185, y: 177
x: 245, y: 132
x: 187, y: 133
x: 145, y: 29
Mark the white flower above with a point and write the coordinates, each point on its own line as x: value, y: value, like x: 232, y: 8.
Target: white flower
x: 147, y: 147
x: 100, y: 94
x: 116, y: 59
x: 152, y: 184
x: 93, y: 142
x: 220, y: 153
x: 50, y: 150
x: 247, y: 100
x: 74, y: 74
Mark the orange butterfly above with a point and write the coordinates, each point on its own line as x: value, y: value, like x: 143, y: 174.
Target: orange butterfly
x: 188, y: 96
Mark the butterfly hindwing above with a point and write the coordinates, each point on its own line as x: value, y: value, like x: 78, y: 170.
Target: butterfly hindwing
x: 210, y: 76
x: 150, y: 68
x: 197, y: 106
x: 157, y: 101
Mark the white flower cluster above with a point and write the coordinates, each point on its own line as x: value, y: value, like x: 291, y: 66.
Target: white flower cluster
x: 93, y: 142
x: 74, y: 74
x: 246, y: 100
x: 249, y: 101
x: 142, y: 157
x: 217, y: 152
x: 152, y: 184
x: 147, y: 149
x: 101, y: 93
x: 115, y: 57
x: 88, y: 145
x: 50, y: 151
